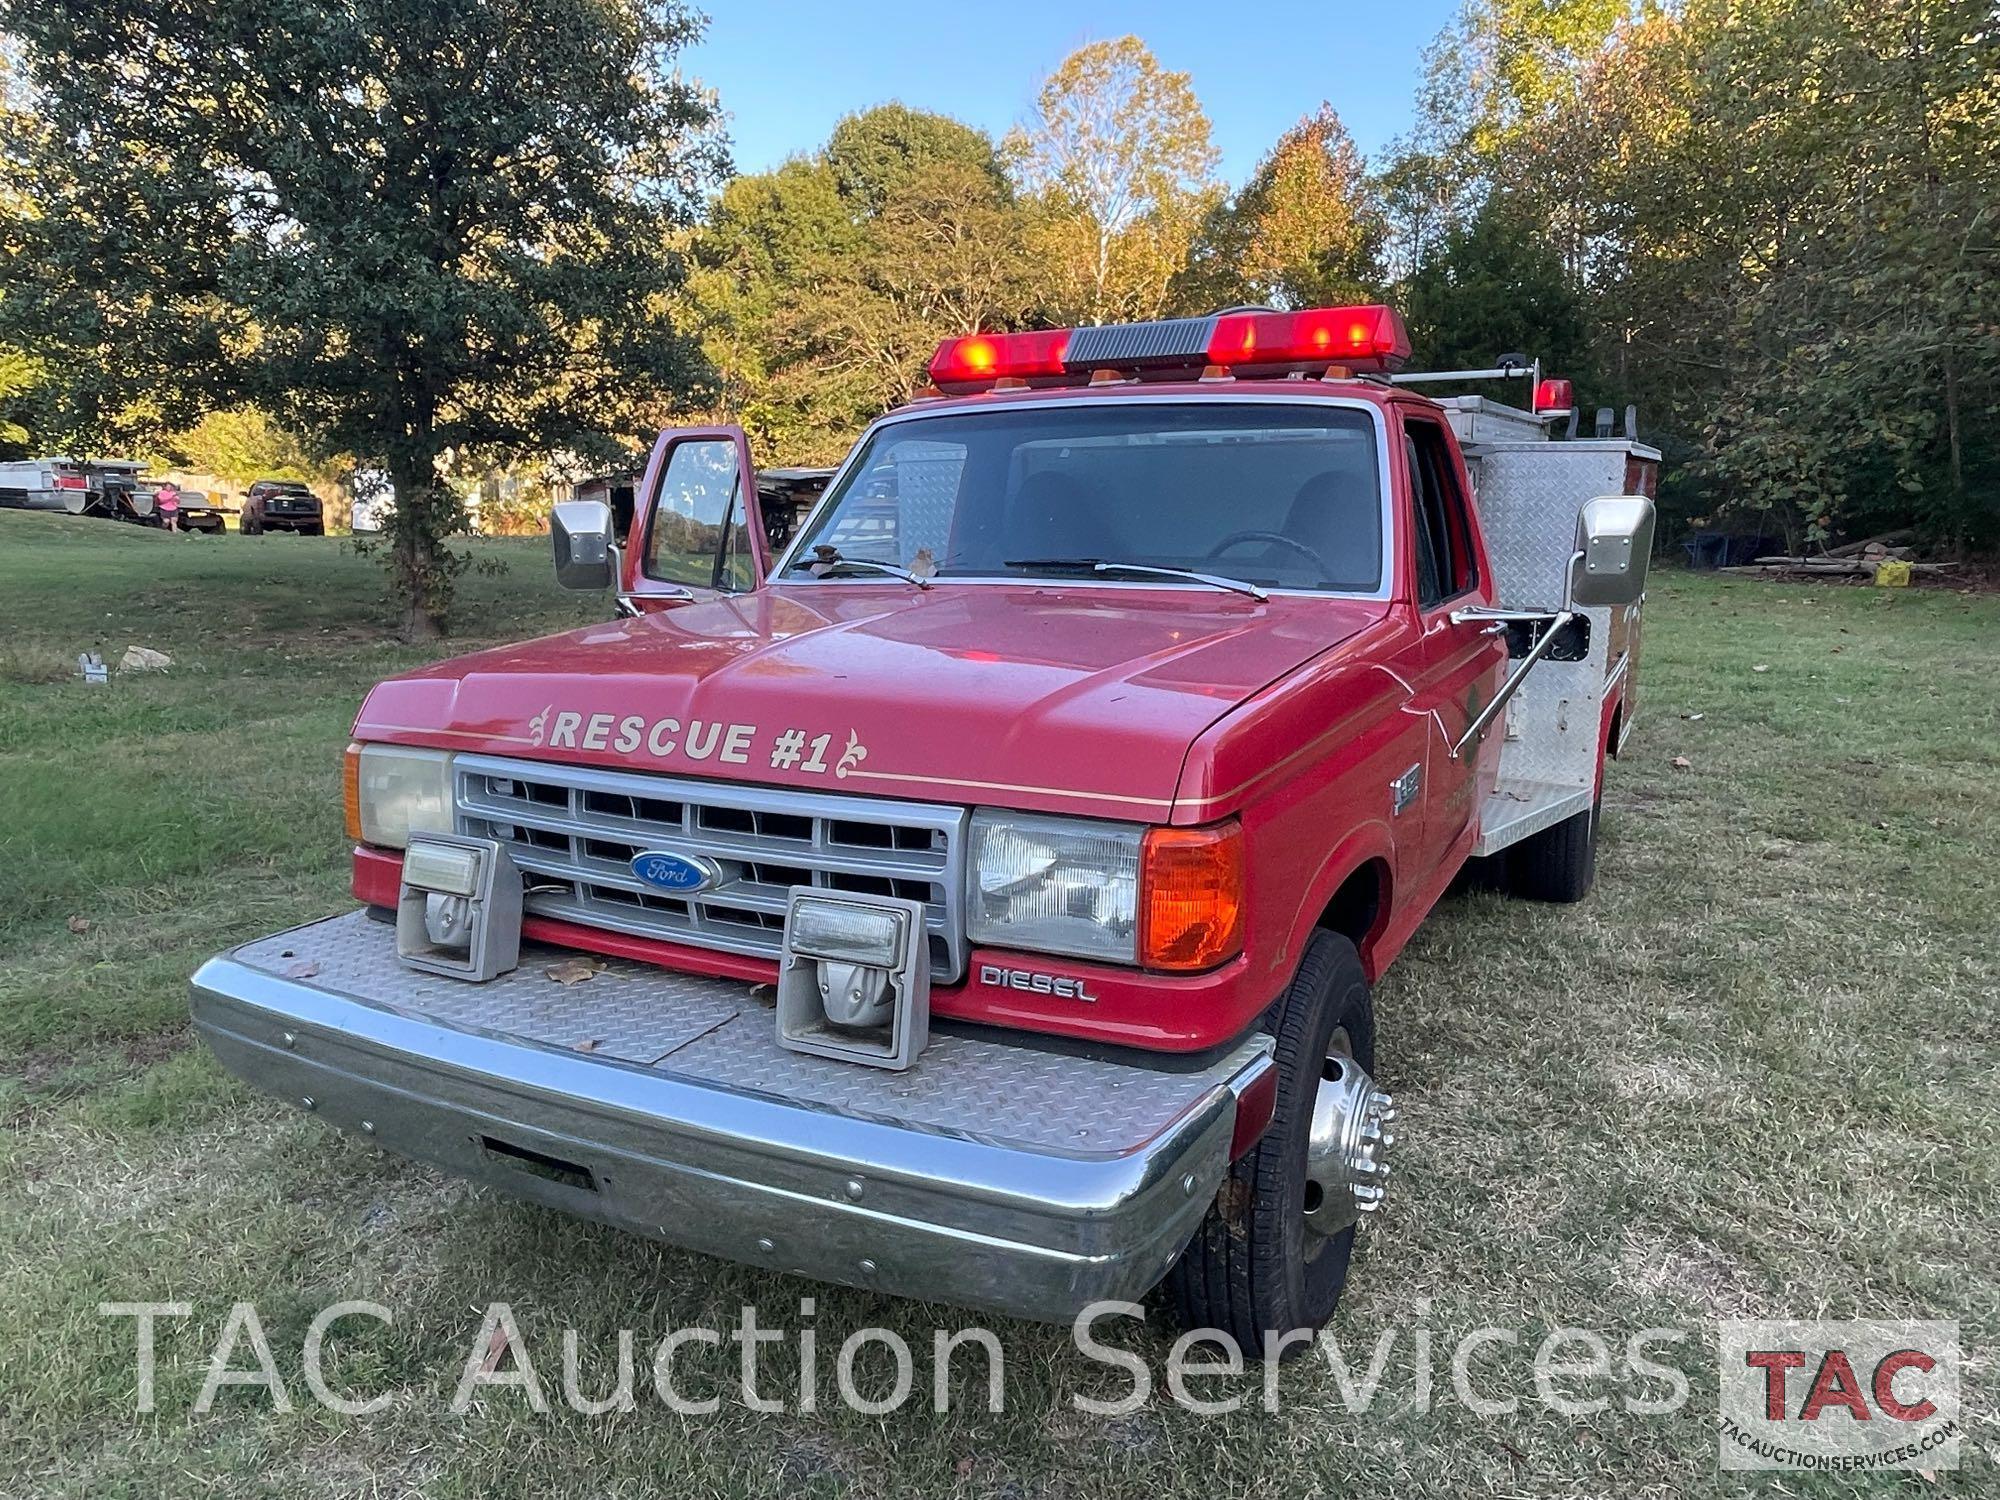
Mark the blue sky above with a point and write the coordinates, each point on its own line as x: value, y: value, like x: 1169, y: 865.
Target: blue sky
x: 786, y: 70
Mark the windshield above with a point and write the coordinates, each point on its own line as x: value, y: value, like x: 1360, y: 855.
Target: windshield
x: 1285, y: 496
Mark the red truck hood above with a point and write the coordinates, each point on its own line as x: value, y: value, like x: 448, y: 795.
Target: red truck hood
x: 1037, y: 697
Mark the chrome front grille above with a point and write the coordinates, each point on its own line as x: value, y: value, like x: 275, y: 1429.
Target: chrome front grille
x: 574, y: 831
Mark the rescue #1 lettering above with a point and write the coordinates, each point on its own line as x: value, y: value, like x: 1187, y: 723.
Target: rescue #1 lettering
x: 699, y: 739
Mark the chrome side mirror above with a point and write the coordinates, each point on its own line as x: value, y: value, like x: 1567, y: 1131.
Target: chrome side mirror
x: 1614, y: 545
x: 581, y: 531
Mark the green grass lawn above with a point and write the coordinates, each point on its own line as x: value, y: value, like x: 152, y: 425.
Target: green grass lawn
x: 1754, y: 1075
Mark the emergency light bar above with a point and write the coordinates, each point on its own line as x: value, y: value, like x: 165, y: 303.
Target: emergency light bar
x: 1368, y: 339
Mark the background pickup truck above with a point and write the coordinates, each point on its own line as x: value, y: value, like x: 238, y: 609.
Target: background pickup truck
x: 978, y: 895
x: 282, y: 505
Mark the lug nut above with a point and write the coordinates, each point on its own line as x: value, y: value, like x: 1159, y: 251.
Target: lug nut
x: 367, y: 1127
x: 855, y: 1188
x: 308, y: 1102
x: 767, y: 1247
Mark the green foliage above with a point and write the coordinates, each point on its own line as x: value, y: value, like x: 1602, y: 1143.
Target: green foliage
x: 1779, y: 216
x: 22, y: 377
x: 1118, y: 167
x: 822, y: 288
x: 882, y: 154
x: 408, y: 228
x: 1495, y: 286
x: 1306, y: 231
x: 243, y: 444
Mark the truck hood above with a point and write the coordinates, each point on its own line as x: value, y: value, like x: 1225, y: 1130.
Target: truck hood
x: 1041, y: 697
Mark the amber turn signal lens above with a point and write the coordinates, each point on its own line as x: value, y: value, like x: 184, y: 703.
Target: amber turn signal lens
x: 350, y: 790
x: 1191, y: 884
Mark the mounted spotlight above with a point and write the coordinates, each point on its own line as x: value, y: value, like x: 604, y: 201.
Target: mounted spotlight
x: 854, y: 978
x: 459, y: 911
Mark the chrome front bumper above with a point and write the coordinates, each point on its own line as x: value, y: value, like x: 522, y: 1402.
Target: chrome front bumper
x: 992, y: 1174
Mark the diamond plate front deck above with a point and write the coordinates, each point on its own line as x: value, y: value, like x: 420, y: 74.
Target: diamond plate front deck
x: 720, y: 1032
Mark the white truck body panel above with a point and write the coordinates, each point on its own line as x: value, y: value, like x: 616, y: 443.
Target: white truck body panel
x: 1528, y: 490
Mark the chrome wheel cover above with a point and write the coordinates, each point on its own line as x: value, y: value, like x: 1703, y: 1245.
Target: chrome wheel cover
x: 1345, y: 1172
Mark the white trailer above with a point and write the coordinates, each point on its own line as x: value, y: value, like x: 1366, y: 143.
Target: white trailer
x: 44, y: 484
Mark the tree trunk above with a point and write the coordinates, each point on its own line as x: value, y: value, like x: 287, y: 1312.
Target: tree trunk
x: 414, y: 556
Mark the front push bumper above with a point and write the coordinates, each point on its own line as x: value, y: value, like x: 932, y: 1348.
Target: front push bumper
x: 992, y: 1174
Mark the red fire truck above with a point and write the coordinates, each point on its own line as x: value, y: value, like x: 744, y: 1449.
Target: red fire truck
x: 977, y: 895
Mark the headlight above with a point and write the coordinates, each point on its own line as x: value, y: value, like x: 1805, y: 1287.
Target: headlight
x: 393, y: 792
x: 1055, y: 885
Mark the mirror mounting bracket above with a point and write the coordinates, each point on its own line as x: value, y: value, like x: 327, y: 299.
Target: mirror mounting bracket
x: 1557, y: 623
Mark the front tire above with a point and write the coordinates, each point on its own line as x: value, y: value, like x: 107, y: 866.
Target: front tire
x: 1272, y: 1255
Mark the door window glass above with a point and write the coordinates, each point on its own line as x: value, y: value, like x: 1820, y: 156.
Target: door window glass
x: 698, y: 496
x: 1445, y: 565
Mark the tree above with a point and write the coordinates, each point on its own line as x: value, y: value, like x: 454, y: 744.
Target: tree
x: 243, y: 445
x: 1801, y: 192
x: 881, y: 153
x: 760, y: 265
x: 822, y: 288
x: 1778, y: 216
x: 406, y: 228
x: 1495, y: 286
x: 1305, y: 231
x: 1118, y: 166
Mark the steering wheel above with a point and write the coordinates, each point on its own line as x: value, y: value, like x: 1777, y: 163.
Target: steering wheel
x: 1237, y: 538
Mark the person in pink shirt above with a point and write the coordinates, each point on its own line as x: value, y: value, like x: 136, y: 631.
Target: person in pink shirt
x: 167, y: 500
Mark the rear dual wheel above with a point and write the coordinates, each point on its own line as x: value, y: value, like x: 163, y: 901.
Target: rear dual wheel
x: 1558, y: 864
x: 1271, y: 1257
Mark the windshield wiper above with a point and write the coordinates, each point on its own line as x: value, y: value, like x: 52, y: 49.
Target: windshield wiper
x: 828, y: 560
x: 1102, y: 565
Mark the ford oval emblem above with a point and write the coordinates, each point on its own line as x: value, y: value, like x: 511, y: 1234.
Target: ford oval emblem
x: 683, y: 874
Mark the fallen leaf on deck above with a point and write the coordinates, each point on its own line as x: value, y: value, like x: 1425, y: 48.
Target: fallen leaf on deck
x: 302, y: 970
x: 572, y: 971
x: 588, y: 1044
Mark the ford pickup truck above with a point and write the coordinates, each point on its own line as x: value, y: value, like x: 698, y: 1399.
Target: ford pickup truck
x: 978, y: 896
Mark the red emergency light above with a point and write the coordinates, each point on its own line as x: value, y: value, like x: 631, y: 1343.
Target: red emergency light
x: 976, y: 361
x: 1554, y: 396
x: 71, y: 482
x: 1368, y: 339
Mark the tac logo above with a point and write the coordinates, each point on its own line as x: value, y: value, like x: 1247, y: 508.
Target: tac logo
x: 1846, y: 1397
